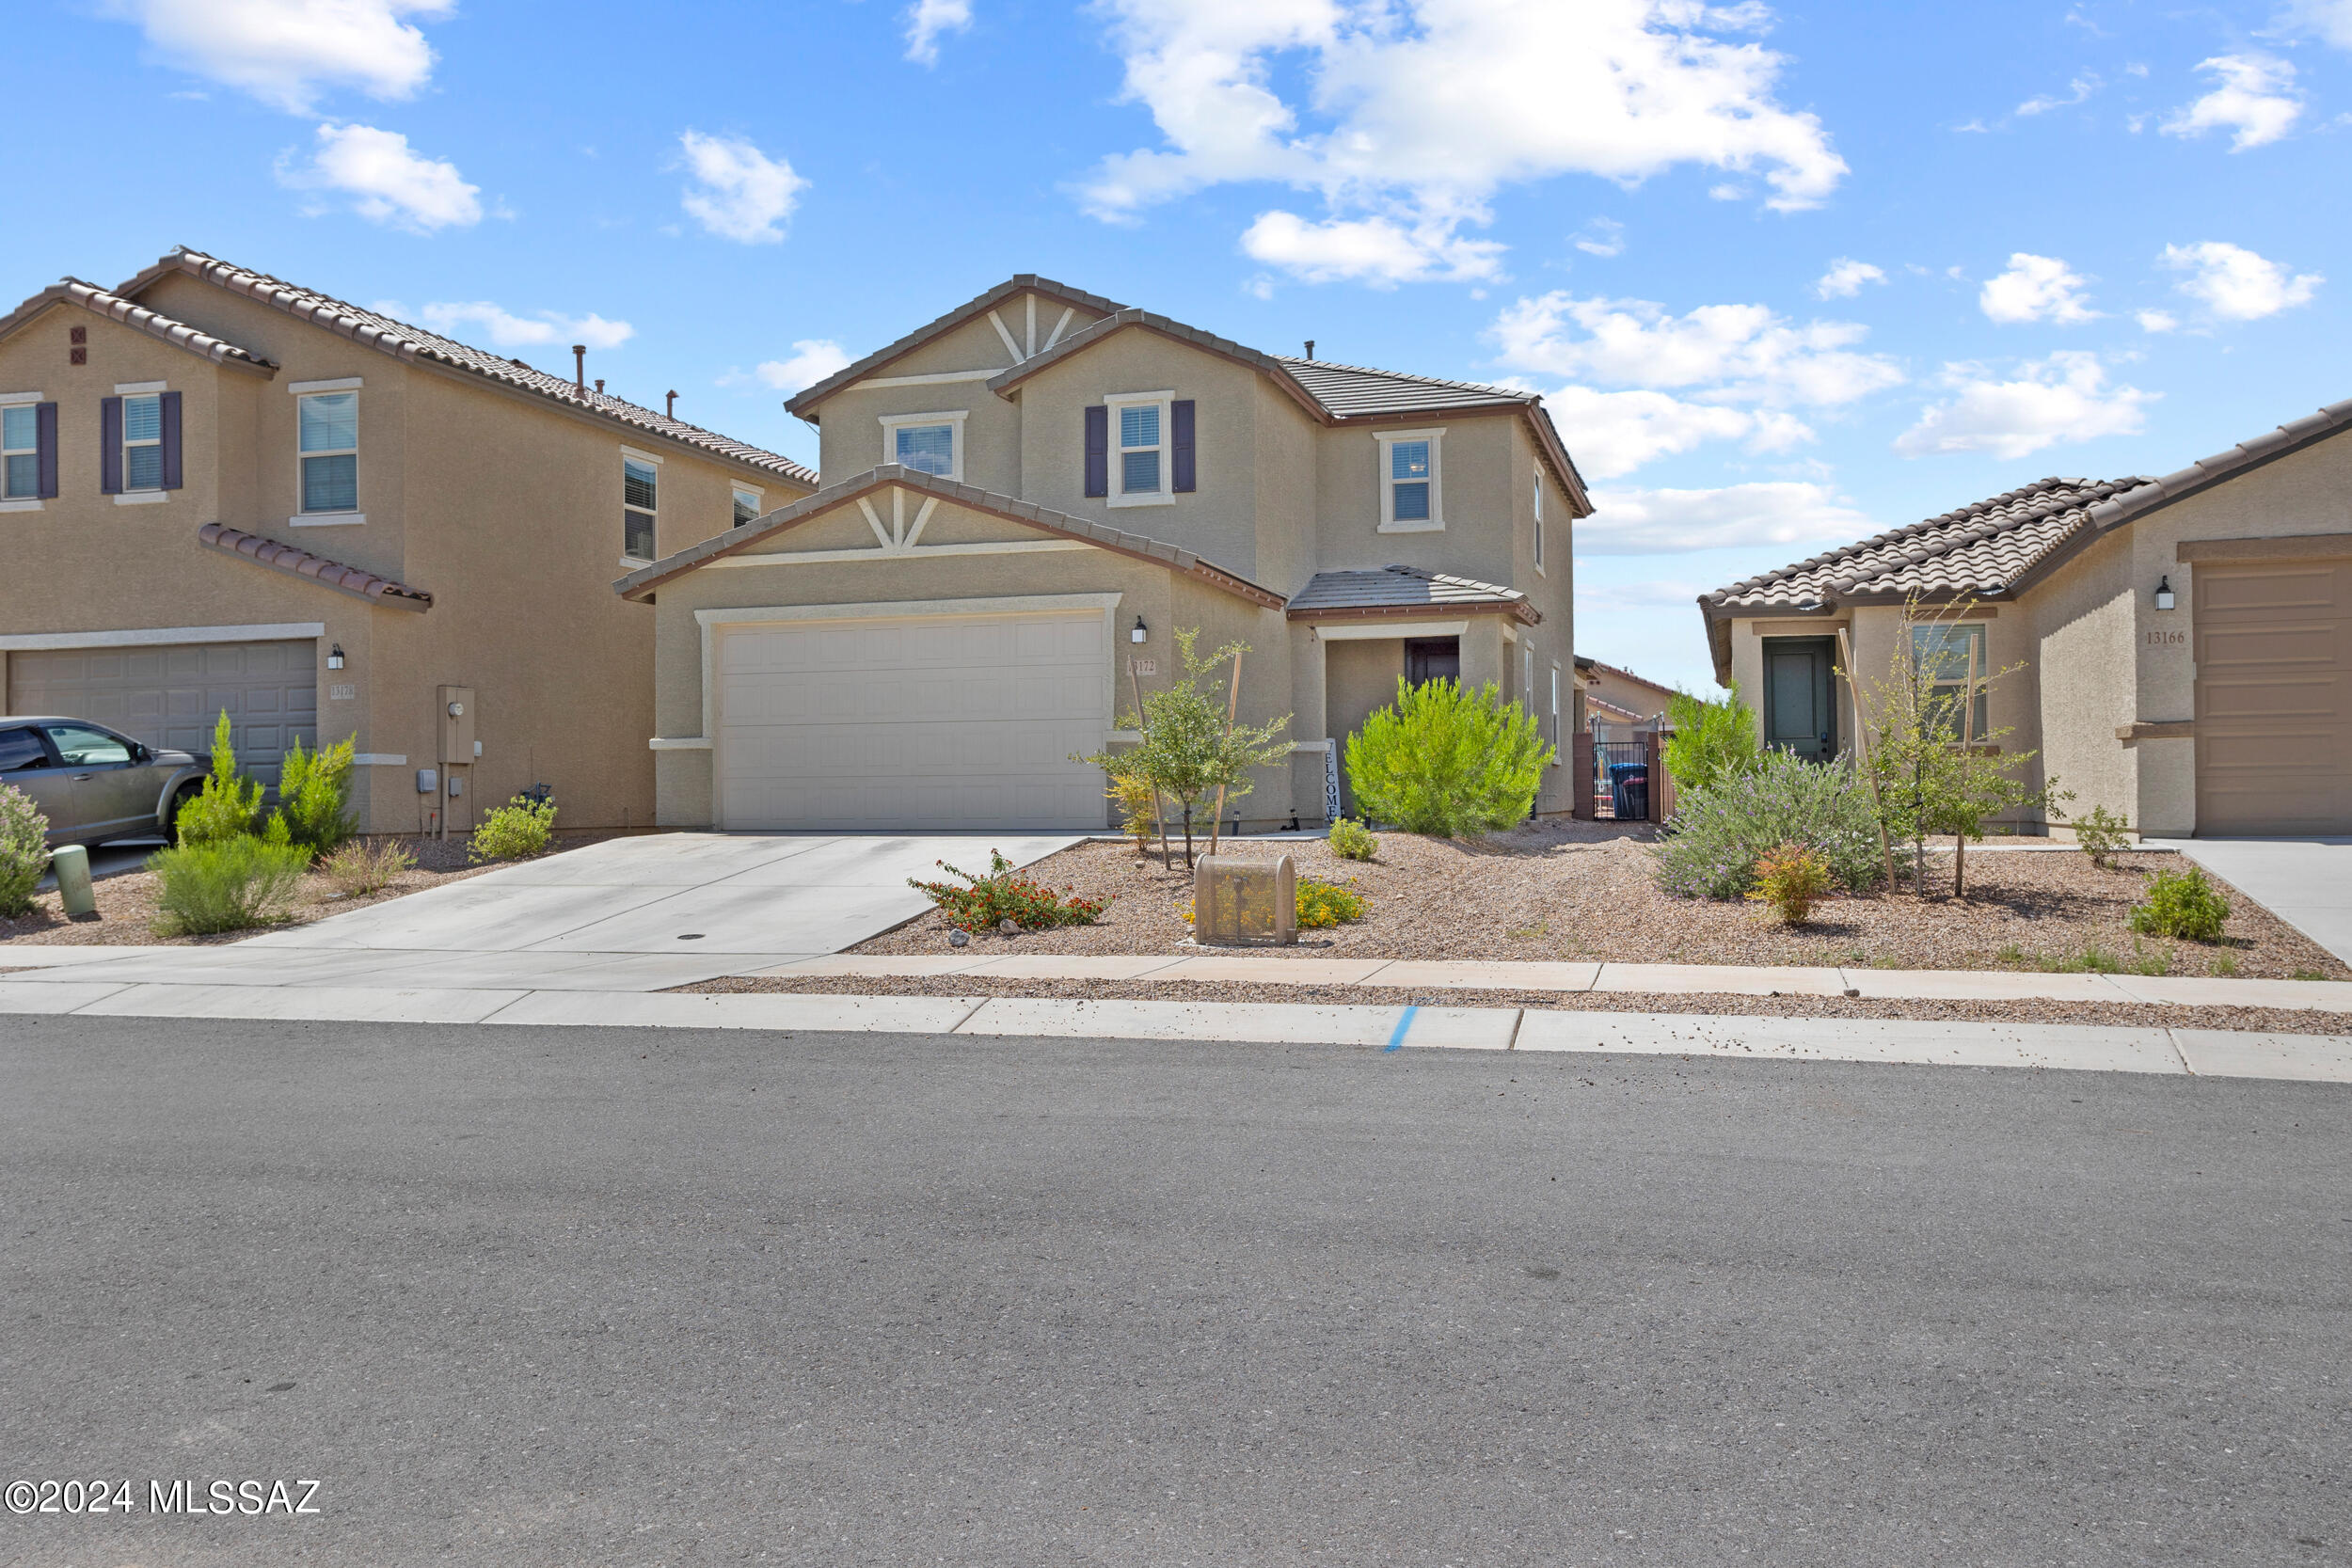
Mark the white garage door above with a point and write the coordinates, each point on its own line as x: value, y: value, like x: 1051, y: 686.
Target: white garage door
x: 172, y: 695
x: 936, y: 722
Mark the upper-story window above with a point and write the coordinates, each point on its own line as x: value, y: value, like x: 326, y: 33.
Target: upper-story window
x: 746, y: 505
x: 1539, y: 517
x: 143, y: 442
x: 640, y: 504
x: 20, y: 452
x: 1411, y: 480
x: 138, y: 443
x: 1952, y: 658
x: 1140, y: 449
x: 927, y: 443
x: 328, y: 435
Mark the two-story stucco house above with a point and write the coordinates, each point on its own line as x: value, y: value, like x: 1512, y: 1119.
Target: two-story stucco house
x: 1021, y: 500
x: 219, y: 490
x: 2182, y: 646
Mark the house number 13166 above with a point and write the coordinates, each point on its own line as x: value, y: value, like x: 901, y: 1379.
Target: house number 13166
x: 2167, y: 638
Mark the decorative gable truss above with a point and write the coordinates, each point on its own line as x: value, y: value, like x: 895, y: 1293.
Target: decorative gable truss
x: 898, y: 517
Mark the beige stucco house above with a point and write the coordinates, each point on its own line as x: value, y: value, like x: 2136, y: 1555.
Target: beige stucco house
x: 2185, y: 642
x: 1619, y: 704
x: 221, y: 490
x: 1023, y: 499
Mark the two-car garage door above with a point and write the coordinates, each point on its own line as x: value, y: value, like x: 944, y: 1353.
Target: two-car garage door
x: 170, y: 696
x: 2274, y: 697
x: 939, y: 721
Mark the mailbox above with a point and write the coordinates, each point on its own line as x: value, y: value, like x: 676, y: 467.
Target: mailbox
x: 455, y: 719
x: 1239, y: 903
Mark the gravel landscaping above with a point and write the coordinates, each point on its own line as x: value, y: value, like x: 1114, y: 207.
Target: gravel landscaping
x: 1584, y: 891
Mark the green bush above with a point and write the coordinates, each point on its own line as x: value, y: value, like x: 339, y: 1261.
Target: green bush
x: 2101, y: 834
x: 23, y: 849
x: 1718, y: 833
x: 228, y: 886
x: 1326, y: 904
x: 364, y: 868
x: 1446, y: 762
x: 981, y: 902
x: 313, y: 791
x: 230, y: 804
x: 2180, y: 904
x: 1791, y: 879
x: 516, y: 831
x: 1352, y: 841
x: 1711, y: 741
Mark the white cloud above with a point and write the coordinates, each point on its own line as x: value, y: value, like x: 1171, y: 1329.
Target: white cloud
x: 1415, y: 112
x: 2080, y: 88
x: 927, y: 20
x: 2063, y: 398
x: 286, y: 53
x: 1378, y: 250
x: 2330, y: 19
x: 1738, y: 352
x: 739, y: 193
x: 1844, y: 279
x: 813, y: 359
x: 2235, y: 284
x: 386, y: 180
x: 2157, y: 321
x: 1601, y: 237
x: 1657, y: 522
x: 475, y: 320
x: 2253, y: 97
x: 2036, y: 288
x: 1612, y: 434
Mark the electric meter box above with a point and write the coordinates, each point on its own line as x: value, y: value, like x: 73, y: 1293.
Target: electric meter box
x: 454, y: 719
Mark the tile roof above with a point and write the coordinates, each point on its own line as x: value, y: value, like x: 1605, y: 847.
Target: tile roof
x: 2294, y: 433
x: 1395, y: 590
x: 403, y: 340
x: 1350, y: 390
x: 1018, y: 283
x: 104, y: 302
x: 302, y: 563
x: 642, y: 582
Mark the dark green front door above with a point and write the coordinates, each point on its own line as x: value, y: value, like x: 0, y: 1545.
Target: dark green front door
x: 1801, y: 695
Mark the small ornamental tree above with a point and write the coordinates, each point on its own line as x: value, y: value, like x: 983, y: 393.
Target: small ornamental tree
x: 1191, y: 748
x: 230, y: 804
x: 1711, y: 740
x: 1446, y: 762
x: 313, y: 795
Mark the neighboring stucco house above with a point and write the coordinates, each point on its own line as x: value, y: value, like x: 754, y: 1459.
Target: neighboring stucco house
x: 1618, y: 704
x: 223, y: 491
x: 2186, y: 642
x: 1023, y: 499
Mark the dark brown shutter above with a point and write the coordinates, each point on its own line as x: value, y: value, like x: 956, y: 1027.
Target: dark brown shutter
x: 171, y: 440
x: 45, y: 437
x: 1098, y: 451
x: 110, y: 446
x: 1179, y: 442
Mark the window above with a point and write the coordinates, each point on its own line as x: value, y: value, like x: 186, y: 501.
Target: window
x: 1141, y: 439
x: 1539, y: 517
x: 641, y: 496
x: 80, y: 746
x: 1949, y: 656
x: 20, y: 452
x: 746, y: 506
x: 1411, y: 488
x: 22, y: 749
x: 1557, y: 744
x: 143, y: 442
x: 927, y: 443
x: 330, y: 442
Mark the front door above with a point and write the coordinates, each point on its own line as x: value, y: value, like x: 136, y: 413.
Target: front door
x: 1433, y: 659
x: 1800, y: 696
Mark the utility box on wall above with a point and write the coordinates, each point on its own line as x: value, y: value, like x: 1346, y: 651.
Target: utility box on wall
x: 454, y: 719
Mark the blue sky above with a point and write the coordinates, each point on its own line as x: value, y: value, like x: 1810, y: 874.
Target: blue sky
x: 1788, y: 274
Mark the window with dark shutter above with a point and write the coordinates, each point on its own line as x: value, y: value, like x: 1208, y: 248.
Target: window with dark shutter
x: 1098, y: 427
x: 20, y: 452
x: 110, y: 446
x: 1180, y: 443
x: 45, y: 430
x: 170, y: 424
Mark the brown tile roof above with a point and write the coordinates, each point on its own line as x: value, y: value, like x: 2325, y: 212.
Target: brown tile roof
x: 302, y: 563
x: 1352, y: 390
x: 2291, y: 437
x: 1404, y: 590
x: 1025, y: 282
x: 642, y: 582
x: 102, y: 302
x: 404, y: 341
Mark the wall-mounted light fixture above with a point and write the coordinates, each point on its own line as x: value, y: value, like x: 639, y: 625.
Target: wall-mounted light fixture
x: 1136, y: 634
x: 2164, y: 592
x: 335, y: 656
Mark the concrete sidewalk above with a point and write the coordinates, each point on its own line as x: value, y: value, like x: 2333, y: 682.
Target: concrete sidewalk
x: 2306, y: 882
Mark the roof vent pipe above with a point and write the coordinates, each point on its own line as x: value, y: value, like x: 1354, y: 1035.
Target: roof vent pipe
x: 669, y: 409
x: 1310, y: 348
x: 580, y: 367
x: 599, y: 386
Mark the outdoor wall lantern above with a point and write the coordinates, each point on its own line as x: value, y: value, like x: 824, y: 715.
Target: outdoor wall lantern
x: 335, y: 656
x: 2164, y: 592
x: 1136, y: 635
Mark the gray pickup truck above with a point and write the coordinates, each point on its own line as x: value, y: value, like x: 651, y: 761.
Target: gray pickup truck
x: 92, y: 784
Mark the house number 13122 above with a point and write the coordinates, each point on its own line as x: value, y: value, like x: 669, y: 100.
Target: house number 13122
x: 2167, y: 638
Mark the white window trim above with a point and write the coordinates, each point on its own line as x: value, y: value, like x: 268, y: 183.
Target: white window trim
x: 140, y: 388
x: 1435, y: 523
x: 952, y: 418
x: 142, y: 497
x: 1166, y: 493
x: 1556, y: 732
x: 1539, y: 521
x: 653, y: 458
x: 22, y: 504
x: 147, y: 496
x: 628, y: 561
x: 759, y: 500
x: 10, y: 399
x: 325, y: 519
x: 31, y: 502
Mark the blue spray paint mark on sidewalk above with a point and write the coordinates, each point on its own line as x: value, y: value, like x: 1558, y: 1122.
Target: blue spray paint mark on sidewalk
x: 1403, y: 1027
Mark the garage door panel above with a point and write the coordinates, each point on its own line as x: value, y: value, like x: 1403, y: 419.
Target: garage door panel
x: 170, y: 695
x: 2268, y: 590
x: 2273, y: 698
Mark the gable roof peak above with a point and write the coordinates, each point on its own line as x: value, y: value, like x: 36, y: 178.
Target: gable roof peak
x: 801, y: 402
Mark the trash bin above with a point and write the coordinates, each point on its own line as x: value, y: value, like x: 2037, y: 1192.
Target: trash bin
x: 1628, y: 790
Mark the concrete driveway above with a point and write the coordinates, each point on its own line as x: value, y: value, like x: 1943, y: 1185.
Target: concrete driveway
x: 627, y: 915
x: 2306, y: 882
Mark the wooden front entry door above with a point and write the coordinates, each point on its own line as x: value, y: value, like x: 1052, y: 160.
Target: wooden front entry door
x: 1800, y: 696
x: 1433, y: 659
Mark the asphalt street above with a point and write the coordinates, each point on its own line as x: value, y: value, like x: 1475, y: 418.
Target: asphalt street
x: 601, y: 1296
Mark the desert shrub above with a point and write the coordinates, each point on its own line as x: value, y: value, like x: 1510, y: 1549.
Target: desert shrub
x: 23, y: 849
x: 513, y: 831
x: 1718, y: 833
x: 2101, y: 833
x: 1136, y: 801
x: 1352, y: 841
x: 1446, y: 762
x: 227, y: 886
x: 366, y: 865
x: 2180, y: 904
x: 229, y: 806
x: 1326, y: 904
x: 314, y: 790
x: 1711, y: 741
x: 981, y: 903
x: 1791, y: 877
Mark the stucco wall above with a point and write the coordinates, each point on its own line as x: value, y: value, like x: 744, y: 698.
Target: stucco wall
x: 2082, y: 623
